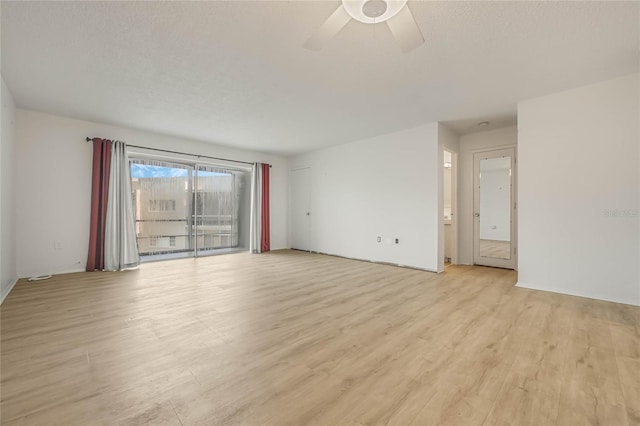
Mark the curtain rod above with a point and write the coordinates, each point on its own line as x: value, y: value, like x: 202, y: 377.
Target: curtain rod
x: 183, y: 153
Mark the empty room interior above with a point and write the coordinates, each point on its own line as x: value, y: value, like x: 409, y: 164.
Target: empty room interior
x: 381, y: 212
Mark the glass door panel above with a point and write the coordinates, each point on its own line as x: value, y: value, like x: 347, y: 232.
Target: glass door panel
x: 161, y: 194
x: 221, y: 207
x: 495, y: 207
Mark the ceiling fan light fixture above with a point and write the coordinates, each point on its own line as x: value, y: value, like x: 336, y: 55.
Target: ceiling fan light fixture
x: 395, y: 13
x: 373, y: 11
x: 374, y: 8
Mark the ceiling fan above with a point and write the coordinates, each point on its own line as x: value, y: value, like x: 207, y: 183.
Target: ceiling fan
x: 395, y: 13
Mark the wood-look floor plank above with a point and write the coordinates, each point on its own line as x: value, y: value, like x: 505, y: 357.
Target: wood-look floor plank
x: 291, y: 338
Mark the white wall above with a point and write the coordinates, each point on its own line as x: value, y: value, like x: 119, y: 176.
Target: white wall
x: 7, y: 198
x: 385, y: 186
x: 579, y: 191
x: 469, y: 144
x: 54, y: 175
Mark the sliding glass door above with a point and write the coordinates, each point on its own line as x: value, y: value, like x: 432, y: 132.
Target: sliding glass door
x: 184, y: 210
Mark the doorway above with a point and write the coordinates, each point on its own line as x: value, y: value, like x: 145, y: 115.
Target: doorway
x: 494, y: 208
x: 449, y: 197
x: 301, y: 209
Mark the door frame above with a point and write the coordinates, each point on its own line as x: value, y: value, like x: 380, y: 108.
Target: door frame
x: 511, y: 263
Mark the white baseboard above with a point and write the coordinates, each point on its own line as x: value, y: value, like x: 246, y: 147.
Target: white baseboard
x: 70, y: 271
x: 5, y: 292
x: 380, y: 262
x: 551, y: 289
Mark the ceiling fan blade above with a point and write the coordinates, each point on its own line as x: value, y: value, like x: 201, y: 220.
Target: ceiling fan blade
x: 405, y: 29
x: 331, y: 26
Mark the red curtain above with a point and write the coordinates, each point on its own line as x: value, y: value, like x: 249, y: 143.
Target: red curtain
x: 99, y: 195
x: 265, y: 240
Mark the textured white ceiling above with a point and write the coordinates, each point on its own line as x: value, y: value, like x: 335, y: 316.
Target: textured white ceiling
x: 234, y: 72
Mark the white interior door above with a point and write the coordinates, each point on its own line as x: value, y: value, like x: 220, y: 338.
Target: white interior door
x: 301, y: 209
x: 494, y: 209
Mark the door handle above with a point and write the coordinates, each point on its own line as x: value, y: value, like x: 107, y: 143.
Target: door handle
x: 476, y: 214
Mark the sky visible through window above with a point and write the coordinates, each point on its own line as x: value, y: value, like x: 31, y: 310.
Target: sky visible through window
x: 147, y: 171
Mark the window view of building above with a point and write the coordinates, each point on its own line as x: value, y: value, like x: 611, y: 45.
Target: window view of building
x: 188, y: 209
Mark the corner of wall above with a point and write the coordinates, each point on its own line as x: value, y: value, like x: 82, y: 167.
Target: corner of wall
x: 448, y: 138
x: 8, y: 275
x: 6, y: 289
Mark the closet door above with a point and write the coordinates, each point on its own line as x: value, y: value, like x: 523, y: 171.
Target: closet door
x: 301, y: 209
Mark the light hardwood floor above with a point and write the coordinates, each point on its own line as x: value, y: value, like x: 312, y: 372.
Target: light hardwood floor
x: 290, y: 338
